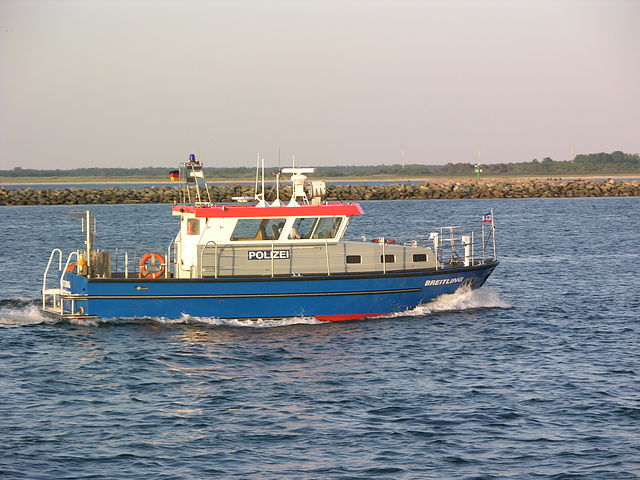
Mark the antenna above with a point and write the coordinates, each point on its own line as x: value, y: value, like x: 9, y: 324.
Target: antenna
x: 403, y: 157
x: 277, y: 202
x: 257, y: 173
x: 263, y: 180
x: 260, y: 196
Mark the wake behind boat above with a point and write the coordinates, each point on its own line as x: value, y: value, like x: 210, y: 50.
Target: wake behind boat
x: 256, y: 260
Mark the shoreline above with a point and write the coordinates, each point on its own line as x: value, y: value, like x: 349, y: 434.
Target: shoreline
x: 329, y: 180
x: 440, y: 189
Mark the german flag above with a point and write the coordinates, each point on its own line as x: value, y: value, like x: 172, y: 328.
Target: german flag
x: 174, y: 175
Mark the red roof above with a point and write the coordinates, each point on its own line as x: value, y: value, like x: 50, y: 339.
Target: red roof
x: 253, y: 211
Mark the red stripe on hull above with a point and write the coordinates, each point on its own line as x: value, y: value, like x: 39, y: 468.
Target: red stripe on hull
x: 341, y: 318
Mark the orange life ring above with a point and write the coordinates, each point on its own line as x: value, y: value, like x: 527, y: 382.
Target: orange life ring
x: 71, y: 267
x: 151, y: 270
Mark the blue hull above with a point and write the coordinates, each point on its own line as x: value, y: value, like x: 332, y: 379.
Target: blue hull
x: 331, y: 298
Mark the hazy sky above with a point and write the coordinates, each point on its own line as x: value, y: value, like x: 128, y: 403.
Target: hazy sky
x: 144, y: 83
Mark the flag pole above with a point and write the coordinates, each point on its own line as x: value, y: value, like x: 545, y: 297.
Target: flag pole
x: 493, y: 227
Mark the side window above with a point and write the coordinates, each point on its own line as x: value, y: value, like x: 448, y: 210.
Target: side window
x: 387, y: 258
x: 302, y: 228
x: 274, y: 228
x: 257, y: 229
x: 419, y: 257
x: 327, y: 227
x: 354, y: 259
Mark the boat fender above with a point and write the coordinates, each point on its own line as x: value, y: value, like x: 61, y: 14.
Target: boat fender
x: 379, y: 240
x: 152, y: 270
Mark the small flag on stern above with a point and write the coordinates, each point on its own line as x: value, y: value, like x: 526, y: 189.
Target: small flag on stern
x: 175, y: 175
x: 486, y: 217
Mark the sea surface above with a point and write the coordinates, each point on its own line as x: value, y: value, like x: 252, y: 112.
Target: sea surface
x: 534, y: 376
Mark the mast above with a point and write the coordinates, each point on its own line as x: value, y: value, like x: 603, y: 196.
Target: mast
x: 263, y: 201
x: 86, y: 223
x: 277, y: 202
x: 259, y: 196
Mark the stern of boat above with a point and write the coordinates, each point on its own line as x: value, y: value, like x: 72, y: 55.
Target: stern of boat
x: 62, y: 290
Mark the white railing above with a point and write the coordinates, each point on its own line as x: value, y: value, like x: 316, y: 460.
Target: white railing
x: 51, y: 292
x: 54, y: 295
x: 215, y: 258
x: 455, y: 245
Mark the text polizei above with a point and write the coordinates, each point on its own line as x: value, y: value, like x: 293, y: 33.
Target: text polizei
x: 268, y: 254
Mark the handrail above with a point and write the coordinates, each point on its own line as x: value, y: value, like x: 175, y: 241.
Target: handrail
x: 126, y: 259
x: 439, y: 247
x: 469, y: 245
x: 46, y: 272
x: 493, y: 234
x: 66, y: 265
x: 53, y: 252
x: 273, y: 264
x: 448, y: 244
x: 130, y: 254
x: 168, y: 259
x: 384, y: 256
x: 60, y: 292
x: 473, y: 250
x: 326, y: 253
x: 215, y: 266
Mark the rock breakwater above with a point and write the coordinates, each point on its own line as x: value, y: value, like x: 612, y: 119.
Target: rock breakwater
x: 436, y: 189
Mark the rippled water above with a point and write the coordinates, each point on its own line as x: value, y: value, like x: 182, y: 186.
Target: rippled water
x: 536, y: 375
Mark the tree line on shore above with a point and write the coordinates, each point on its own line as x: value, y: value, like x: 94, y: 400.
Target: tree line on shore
x: 594, y: 163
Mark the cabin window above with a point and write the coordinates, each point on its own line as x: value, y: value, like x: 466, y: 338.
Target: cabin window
x: 193, y: 226
x: 419, y: 257
x: 354, y: 258
x: 302, y: 228
x: 327, y: 227
x: 387, y: 258
x: 258, y: 229
x: 315, y: 227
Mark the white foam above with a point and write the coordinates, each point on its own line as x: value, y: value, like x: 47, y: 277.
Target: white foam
x: 227, y: 322
x: 463, y: 299
x: 27, y: 315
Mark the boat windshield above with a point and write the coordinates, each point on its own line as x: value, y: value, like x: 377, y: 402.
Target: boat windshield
x: 272, y: 228
x: 327, y: 227
x: 258, y: 229
x: 315, y: 227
